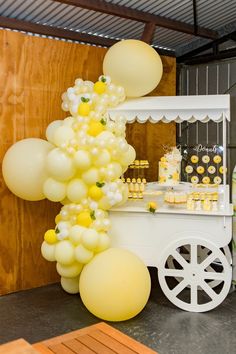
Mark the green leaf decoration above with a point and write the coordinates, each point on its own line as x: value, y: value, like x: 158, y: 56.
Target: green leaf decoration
x: 103, y: 79
x: 57, y: 230
x: 100, y: 184
x: 92, y: 214
x: 152, y: 210
x: 170, y: 177
x: 85, y: 100
x: 103, y: 121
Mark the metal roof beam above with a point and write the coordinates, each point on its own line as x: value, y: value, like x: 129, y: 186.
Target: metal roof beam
x: 201, y: 59
x: 141, y: 16
x: 46, y: 30
x: 213, y: 44
x: 54, y: 31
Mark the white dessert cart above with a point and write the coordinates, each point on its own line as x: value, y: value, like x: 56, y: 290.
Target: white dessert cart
x: 189, y: 248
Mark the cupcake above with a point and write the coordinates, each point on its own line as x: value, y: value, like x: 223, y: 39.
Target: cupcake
x: 194, y: 158
x: 211, y: 169
x: 217, y: 159
x: 205, y: 158
x: 188, y: 169
x: 200, y: 170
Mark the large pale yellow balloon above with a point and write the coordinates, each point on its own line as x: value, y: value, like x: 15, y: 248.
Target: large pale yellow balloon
x: 24, y: 168
x: 134, y: 65
x: 115, y: 285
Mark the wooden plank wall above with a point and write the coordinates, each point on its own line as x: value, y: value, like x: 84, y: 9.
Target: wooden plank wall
x: 34, y: 72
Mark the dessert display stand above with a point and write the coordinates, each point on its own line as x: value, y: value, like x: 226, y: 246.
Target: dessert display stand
x: 188, y: 247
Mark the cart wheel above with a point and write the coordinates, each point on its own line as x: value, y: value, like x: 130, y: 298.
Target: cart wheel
x: 202, y: 252
x: 193, y: 275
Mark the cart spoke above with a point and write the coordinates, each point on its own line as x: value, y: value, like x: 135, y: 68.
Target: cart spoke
x: 181, y: 286
x: 193, y: 255
x: 174, y: 273
x: 208, y: 260
x: 178, y: 257
x: 194, y: 293
x: 214, y: 275
x: 208, y: 290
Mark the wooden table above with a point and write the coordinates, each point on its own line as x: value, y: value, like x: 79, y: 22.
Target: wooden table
x: 99, y: 338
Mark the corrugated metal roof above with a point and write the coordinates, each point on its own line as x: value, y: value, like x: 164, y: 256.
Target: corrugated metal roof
x: 212, y: 14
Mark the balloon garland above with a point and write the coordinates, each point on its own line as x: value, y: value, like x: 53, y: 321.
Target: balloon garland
x: 79, y: 165
x: 90, y: 154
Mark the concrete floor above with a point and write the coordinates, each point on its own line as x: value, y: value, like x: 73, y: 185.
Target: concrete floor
x: 46, y: 312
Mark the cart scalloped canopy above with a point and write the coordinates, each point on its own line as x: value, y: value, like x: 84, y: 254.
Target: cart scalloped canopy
x: 175, y: 109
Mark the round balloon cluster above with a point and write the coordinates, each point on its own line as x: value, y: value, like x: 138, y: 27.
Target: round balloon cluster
x: 90, y: 154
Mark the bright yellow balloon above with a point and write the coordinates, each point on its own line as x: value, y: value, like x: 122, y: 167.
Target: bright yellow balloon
x: 24, y: 169
x: 84, y: 219
x: 50, y: 236
x: 70, y: 285
x: 134, y: 65
x: 115, y: 285
x: 95, y: 193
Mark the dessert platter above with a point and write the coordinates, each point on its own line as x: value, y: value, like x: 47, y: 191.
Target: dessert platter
x: 187, y: 236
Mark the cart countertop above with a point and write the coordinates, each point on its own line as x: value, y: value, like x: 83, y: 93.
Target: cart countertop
x: 139, y: 206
